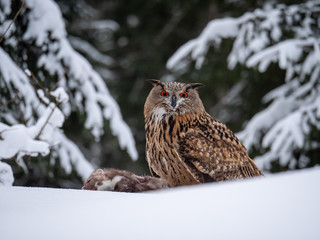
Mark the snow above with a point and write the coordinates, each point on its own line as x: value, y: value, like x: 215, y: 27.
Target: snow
x: 230, y: 99
x: 28, y: 72
x: 180, y: 54
x: 251, y: 33
x: 88, y: 49
x: 283, y: 130
x: 285, y: 52
x: 33, y: 125
x: 283, y: 206
x: 17, y: 140
x: 91, y: 86
x: 106, y: 24
x: 47, y: 29
x: 42, y: 96
x: 71, y: 157
x: 6, y: 6
x: 43, y: 19
x: 265, y: 120
x: 5, y: 10
x: 6, y: 175
x: 15, y: 77
x: 60, y: 95
x: 213, y: 32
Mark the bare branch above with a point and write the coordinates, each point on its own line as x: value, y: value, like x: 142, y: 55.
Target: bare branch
x: 10, y: 100
x: 13, y: 20
x: 46, y: 122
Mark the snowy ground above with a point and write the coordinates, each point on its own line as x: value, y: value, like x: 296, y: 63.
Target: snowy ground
x: 284, y: 206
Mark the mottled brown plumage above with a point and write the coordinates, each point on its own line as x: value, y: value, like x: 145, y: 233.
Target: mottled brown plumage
x: 122, y: 181
x: 184, y: 144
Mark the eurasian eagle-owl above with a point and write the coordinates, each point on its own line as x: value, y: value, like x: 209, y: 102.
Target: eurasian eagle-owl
x: 184, y: 144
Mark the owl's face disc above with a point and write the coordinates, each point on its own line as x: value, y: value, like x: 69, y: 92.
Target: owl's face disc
x: 173, y: 98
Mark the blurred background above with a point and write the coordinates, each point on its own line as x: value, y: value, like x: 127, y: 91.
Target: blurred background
x: 128, y: 42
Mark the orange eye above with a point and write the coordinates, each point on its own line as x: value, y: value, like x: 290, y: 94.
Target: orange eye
x: 164, y: 93
x: 184, y: 95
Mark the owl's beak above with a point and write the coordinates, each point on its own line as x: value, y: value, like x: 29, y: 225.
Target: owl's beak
x: 173, y: 101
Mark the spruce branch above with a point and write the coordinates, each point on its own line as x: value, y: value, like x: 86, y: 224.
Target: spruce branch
x: 10, y: 100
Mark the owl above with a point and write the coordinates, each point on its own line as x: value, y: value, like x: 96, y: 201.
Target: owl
x: 184, y: 144
x: 122, y: 181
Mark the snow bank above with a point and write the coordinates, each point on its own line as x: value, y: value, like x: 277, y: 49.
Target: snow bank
x: 283, y: 206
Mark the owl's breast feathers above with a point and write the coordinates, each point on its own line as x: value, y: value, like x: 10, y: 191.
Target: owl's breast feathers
x: 190, y: 149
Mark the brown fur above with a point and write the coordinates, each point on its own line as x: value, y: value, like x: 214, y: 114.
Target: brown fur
x: 129, y: 182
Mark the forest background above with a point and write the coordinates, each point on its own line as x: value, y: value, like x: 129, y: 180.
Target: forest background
x: 127, y: 42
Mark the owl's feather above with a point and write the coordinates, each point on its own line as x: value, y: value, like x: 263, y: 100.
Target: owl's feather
x: 218, y: 155
x: 185, y: 145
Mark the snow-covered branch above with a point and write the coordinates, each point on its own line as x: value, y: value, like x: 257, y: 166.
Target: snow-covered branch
x: 288, y: 36
x: 92, y: 95
x: 214, y: 32
x: 28, y: 112
x: 89, y: 50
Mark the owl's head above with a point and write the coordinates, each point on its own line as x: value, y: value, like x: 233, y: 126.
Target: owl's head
x: 173, y: 98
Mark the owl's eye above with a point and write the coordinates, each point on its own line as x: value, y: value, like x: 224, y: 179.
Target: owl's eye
x: 164, y: 93
x: 184, y: 95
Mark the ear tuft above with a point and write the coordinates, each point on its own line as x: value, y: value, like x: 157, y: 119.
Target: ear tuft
x: 154, y: 82
x: 195, y: 85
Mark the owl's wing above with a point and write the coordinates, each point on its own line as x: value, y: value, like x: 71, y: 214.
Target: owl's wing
x: 214, y: 159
